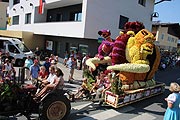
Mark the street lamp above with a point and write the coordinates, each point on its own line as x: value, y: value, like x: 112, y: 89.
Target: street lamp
x: 155, y: 14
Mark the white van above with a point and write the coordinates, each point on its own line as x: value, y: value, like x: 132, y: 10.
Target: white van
x: 16, y: 48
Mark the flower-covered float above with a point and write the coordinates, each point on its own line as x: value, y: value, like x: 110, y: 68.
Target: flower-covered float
x: 132, y: 60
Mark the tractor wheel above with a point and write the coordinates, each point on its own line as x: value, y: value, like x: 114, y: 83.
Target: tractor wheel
x: 55, y: 108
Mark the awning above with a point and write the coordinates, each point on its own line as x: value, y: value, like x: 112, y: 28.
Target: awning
x: 9, y: 33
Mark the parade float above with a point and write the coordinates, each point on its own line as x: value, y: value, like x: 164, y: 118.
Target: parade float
x: 132, y: 59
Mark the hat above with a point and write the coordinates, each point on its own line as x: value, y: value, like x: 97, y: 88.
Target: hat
x: 36, y: 61
x: 174, y: 87
x: 104, y: 31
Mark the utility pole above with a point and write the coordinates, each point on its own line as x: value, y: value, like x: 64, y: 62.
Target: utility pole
x: 160, y: 1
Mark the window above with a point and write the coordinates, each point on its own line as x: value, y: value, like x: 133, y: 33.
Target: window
x: 59, y: 17
x: 28, y: 18
x: 16, y: 2
x: 13, y: 49
x: 23, y: 47
x: 122, y: 21
x: 83, y: 48
x: 169, y: 39
x: 5, y: 0
x: 162, y: 36
x: 176, y: 40
x: 75, y: 16
x: 142, y: 2
x: 15, y: 20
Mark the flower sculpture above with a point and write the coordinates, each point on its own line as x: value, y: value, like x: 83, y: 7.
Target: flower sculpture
x: 107, y: 44
x: 142, y: 56
x: 118, y: 51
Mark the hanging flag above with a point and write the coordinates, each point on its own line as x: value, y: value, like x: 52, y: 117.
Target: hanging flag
x: 41, y: 6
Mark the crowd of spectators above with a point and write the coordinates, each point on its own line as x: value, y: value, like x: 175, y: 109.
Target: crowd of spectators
x: 169, y: 60
x: 47, y: 73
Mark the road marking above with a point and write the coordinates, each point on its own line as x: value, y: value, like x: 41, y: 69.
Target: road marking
x: 144, y: 115
x: 102, y: 115
x: 79, y: 107
x: 158, y: 107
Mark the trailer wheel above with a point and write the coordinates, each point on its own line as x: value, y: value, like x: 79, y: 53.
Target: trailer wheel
x: 55, y: 108
x: 4, y: 118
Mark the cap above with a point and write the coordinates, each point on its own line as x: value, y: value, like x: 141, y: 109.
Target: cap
x: 103, y: 31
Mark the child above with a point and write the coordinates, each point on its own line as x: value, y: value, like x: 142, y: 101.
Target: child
x: 83, y: 90
x: 43, y: 74
x: 173, y: 102
x: 99, y: 85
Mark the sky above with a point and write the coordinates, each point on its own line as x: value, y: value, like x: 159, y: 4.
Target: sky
x: 169, y: 11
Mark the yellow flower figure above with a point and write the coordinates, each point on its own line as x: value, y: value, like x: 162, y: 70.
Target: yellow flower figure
x: 9, y: 21
x: 139, y: 47
x: 140, y: 67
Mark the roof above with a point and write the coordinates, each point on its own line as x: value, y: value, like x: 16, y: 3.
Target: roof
x: 175, y: 27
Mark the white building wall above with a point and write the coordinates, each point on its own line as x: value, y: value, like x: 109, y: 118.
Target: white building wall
x: 96, y: 15
x: 105, y: 14
x: 3, y: 17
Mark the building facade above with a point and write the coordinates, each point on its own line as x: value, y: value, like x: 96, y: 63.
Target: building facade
x: 67, y: 25
x: 167, y: 35
x: 3, y: 14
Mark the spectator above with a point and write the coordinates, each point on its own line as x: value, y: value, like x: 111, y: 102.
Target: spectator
x: 71, y: 66
x: 10, y: 58
x: 66, y: 56
x: 80, y: 57
x: 8, y: 69
x: 73, y: 54
x: 47, y: 64
x: 28, y: 62
x: 53, y: 62
x: 37, y: 53
x: 52, y: 57
x: 173, y: 102
x: 56, y: 59
x: 84, y: 62
x: 34, y: 71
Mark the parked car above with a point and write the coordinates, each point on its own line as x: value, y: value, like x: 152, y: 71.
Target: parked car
x: 16, y: 49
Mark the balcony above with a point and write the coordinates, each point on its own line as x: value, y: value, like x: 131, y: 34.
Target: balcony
x: 65, y: 29
x: 60, y: 3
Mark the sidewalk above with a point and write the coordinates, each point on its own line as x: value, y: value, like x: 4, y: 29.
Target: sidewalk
x: 77, y: 77
x: 77, y: 73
